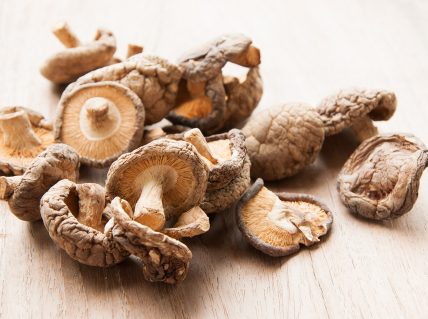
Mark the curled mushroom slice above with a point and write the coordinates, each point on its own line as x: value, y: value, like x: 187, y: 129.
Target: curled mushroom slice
x: 277, y: 224
x: 381, y: 178
x: 283, y: 140
x: 73, y: 215
x: 23, y: 193
x: 202, y: 99
x: 101, y: 121
x: 192, y: 223
x: 78, y: 59
x: 24, y: 133
x: 356, y: 108
x: 164, y: 258
x: 153, y: 79
x: 160, y: 180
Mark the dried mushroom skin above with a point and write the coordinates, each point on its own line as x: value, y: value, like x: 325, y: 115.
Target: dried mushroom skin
x: 380, y: 180
x: 78, y: 59
x: 277, y: 224
x: 153, y: 79
x: 72, y: 214
x: 23, y: 193
x: 283, y: 140
x: 24, y: 134
x: 192, y: 223
x: 202, y: 101
x: 356, y: 106
x: 160, y: 180
x: 101, y: 121
x: 154, y: 133
x: 164, y: 258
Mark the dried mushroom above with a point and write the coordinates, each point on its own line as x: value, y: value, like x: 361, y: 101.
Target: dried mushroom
x: 23, y: 193
x: 160, y: 180
x: 74, y: 216
x: 154, y: 133
x: 277, y: 224
x: 24, y: 133
x: 153, y: 79
x: 164, y: 258
x: 78, y: 59
x: 381, y: 178
x: 356, y: 108
x: 101, y: 121
x: 204, y: 100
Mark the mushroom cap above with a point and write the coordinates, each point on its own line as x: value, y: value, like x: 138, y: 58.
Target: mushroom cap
x: 100, y: 148
x: 67, y: 65
x: 59, y: 208
x: 14, y: 162
x: 164, y: 258
x: 218, y: 200
x: 341, y: 110
x: 277, y: 224
x: 154, y: 79
x: 380, y: 180
x: 186, y: 175
x: 192, y: 223
x: 283, y: 140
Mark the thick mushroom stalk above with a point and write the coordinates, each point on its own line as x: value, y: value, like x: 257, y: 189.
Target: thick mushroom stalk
x: 66, y: 36
x: 8, y: 185
x: 197, y: 139
x: 100, y: 117
x: 17, y: 131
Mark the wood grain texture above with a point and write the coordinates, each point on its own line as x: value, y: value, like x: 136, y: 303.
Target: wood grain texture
x: 309, y: 50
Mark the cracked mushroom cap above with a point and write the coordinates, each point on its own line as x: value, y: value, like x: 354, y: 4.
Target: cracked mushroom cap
x: 101, y: 121
x: 277, y: 224
x: 154, y: 80
x: 24, y: 134
x: 23, y: 193
x: 381, y: 178
x: 356, y: 108
x: 162, y: 179
x: 73, y: 215
x: 202, y: 99
x: 164, y: 258
x: 283, y: 140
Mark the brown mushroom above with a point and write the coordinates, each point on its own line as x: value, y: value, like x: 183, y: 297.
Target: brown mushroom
x: 277, y: 224
x: 189, y: 224
x: 78, y: 59
x: 381, y: 178
x: 160, y: 180
x: 101, y: 121
x: 164, y: 258
x: 24, y: 133
x: 202, y: 101
x: 74, y: 216
x: 154, y: 133
x: 23, y: 193
x: 153, y: 79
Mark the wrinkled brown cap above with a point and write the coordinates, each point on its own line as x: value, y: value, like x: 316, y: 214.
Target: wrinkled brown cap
x: 381, y: 178
x: 277, y: 224
x: 101, y: 121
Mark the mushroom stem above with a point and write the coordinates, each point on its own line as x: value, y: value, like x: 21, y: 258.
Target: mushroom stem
x: 66, y: 36
x: 97, y: 111
x: 91, y: 205
x: 17, y: 131
x: 197, y: 139
x: 8, y: 186
x: 149, y: 207
x: 134, y: 49
x: 364, y: 128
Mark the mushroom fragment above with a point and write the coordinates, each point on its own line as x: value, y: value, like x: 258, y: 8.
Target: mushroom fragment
x: 381, y: 178
x: 208, y: 101
x: 78, y: 59
x: 153, y: 79
x: 24, y: 133
x: 164, y: 258
x: 74, y: 216
x: 189, y: 224
x: 23, y: 193
x: 277, y: 224
x: 160, y: 180
x: 101, y: 121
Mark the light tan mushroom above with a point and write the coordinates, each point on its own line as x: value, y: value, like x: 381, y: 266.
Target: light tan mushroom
x: 76, y: 216
x: 101, y: 121
x: 24, y: 133
x: 277, y: 224
x: 78, y: 59
x: 23, y: 193
x: 189, y: 224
